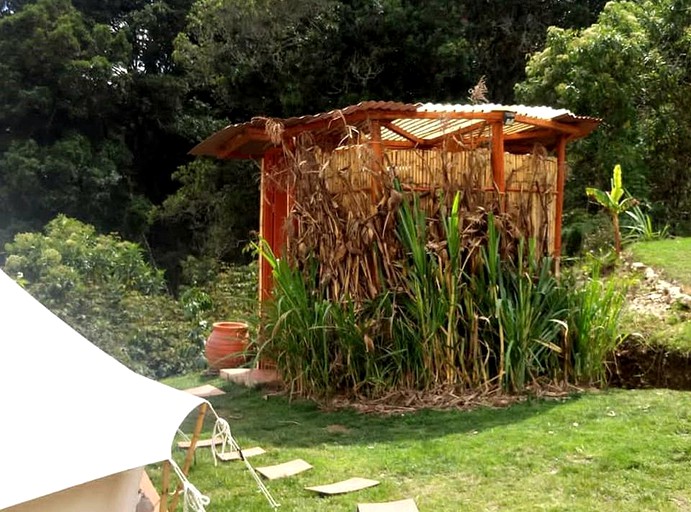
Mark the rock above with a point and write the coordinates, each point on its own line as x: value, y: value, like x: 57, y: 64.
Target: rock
x: 638, y: 266
x: 675, y: 292
x: 663, y: 286
x: 650, y: 274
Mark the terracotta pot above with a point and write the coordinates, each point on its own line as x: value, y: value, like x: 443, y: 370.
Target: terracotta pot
x: 226, y: 345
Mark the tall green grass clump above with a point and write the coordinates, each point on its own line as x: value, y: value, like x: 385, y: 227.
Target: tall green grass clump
x: 469, y: 307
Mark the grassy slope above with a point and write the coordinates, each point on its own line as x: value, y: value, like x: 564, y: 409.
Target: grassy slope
x: 673, y: 258
x: 619, y: 450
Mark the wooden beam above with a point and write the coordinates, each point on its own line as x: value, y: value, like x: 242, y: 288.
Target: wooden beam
x: 529, y: 134
x: 399, y: 144
x: 231, y: 146
x: 460, y: 132
x: 378, y: 150
x: 386, y: 115
x: 546, y: 123
x: 400, y: 131
x: 498, y: 156
x: 266, y: 221
x: 561, y: 178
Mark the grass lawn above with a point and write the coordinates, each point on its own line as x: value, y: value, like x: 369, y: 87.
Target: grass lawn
x: 616, y: 450
x: 673, y: 256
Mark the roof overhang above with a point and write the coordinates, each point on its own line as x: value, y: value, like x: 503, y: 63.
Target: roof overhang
x: 407, y: 125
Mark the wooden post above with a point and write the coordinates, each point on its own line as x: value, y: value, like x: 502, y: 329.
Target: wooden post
x: 266, y: 223
x: 498, y: 159
x: 165, y: 483
x: 378, y: 150
x: 561, y: 177
x: 190, y: 452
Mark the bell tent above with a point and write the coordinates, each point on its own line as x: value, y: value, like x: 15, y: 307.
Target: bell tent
x: 77, y: 426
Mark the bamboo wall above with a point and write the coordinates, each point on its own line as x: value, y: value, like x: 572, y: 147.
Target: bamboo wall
x: 352, y: 176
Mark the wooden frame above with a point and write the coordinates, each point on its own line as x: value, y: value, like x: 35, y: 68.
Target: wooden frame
x: 488, y: 127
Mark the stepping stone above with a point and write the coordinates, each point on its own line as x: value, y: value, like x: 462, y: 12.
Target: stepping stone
x: 249, y: 452
x: 205, y: 391
x: 202, y: 443
x: 391, y: 506
x: 250, y: 377
x: 283, y: 470
x: 350, y: 485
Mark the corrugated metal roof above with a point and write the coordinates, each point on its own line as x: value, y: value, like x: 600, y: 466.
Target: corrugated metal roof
x: 402, y: 122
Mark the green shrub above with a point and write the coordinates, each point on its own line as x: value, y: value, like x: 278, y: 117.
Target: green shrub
x: 105, y: 288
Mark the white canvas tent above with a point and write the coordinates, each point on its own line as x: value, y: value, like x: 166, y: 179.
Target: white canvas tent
x: 76, y: 426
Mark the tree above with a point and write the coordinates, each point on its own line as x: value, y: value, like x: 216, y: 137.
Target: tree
x: 105, y: 288
x: 631, y: 69
x: 58, y: 73
x: 62, y: 81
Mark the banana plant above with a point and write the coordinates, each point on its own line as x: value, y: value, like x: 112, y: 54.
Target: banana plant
x: 614, y: 202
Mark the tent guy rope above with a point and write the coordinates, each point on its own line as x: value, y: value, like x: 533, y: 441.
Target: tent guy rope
x: 193, y: 500
x: 222, y: 431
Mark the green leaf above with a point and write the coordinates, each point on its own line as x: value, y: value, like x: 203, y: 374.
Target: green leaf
x: 601, y: 197
x: 617, y: 189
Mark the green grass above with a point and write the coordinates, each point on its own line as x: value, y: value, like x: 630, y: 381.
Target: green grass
x: 615, y: 450
x: 673, y: 332
x: 672, y: 256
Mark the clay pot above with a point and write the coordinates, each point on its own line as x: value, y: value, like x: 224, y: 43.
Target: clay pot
x: 226, y: 345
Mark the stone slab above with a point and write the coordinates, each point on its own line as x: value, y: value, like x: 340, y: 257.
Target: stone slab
x: 249, y: 452
x: 205, y: 391
x: 284, y: 470
x: 250, y: 377
x: 350, y: 485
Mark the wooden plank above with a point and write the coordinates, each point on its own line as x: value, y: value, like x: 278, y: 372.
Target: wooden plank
x: 249, y: 452
x: 205, y: 391
x: 202, y: 443
x: 286, y: 469
x: 391, y: 506
x: 350, y: 485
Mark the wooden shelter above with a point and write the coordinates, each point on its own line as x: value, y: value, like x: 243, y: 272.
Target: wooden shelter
x: 514, y: 154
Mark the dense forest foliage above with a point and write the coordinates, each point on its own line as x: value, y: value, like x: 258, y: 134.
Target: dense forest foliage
x: 100, y: 101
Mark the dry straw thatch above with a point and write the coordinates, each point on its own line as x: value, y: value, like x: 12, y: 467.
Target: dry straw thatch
x: 344, y: 204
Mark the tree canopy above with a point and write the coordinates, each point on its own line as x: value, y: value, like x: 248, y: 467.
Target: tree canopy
x: 633, y: 69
